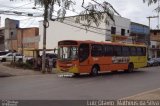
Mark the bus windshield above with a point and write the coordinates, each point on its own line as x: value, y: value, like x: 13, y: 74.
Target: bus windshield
x: 68, y: 52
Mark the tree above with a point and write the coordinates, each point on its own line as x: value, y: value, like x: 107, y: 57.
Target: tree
x: 153, y: 1
x: 93, y: 13
x: 150, y: 1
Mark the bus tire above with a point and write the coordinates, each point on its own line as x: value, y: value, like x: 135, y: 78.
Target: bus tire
x: 94, y: 71
x: 130, y: 68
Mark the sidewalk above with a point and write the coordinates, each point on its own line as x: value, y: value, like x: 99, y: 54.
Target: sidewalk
x: 5, y: 74
x: 148, y: 95
x: 6, y: 71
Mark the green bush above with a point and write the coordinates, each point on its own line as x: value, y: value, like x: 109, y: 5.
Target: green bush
x: 22, y: 65
x: 27, y: 66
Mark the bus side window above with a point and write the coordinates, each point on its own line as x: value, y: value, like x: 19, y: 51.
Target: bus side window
x: 83, y: 52
x: 125, y: 51
x: 117, y: 51
x: 133, y: 51
x: 139, y: 51
x: 108, y: 50
x: 97, y: 50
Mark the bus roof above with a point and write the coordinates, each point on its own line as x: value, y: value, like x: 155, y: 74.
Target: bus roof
x: 103, y: 42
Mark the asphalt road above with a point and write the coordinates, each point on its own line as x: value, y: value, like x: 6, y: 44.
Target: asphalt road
x: 108, y: 86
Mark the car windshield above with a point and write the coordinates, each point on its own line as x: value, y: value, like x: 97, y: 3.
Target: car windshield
x: 3, y: 53
x: 68, y: 53
x: 153, y: 60
x: 51, y: 55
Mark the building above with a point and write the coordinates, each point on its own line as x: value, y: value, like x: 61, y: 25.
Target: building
x: 31, y: 39
x: 10, y: 32
x: 22, y: 40
x: 69, y: 30
x: 26, y: 40
x: 2, y: 45
x: 140, y: 33
x: 155, y: 44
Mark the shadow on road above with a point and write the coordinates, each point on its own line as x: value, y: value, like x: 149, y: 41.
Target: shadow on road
x: 107, y: 74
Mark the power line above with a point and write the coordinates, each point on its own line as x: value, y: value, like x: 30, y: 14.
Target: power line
x: 68, y: 20
x: 89, y: 26
x: 20, y: 6
x: 59, y: 21
x: 5, y: 6
x: 24, y: 14
x: 26, y: 19
x: 81, y: 27
x: 79, y: 23
x: 71, y: 25
x: 32, y: 22
x: 69, y: 9
x: 101, y: 21
x: 85, y: 24
x: 9, y: 12
x: 78, y: 26
x: 26, y: 22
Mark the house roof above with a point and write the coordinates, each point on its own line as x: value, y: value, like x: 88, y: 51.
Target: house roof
x: 155, y: 30
x: 139, y: 24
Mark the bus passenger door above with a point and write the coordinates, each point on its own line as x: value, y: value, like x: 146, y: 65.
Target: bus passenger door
x: 84, y: 63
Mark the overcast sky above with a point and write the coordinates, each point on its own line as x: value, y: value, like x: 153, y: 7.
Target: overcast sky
x: 135, y: 10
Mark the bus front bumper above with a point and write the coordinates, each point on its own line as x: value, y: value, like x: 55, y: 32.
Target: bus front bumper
x: 72, y: 69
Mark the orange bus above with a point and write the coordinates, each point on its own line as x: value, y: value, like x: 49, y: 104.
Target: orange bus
x: 93, y: 57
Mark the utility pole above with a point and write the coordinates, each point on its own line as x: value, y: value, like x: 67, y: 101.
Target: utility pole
x: 149, y: 18
x: 158, y: 14
x: 22, y: 43
x: 148, y: 39
x: 12, y: 47
x: 45, y: 26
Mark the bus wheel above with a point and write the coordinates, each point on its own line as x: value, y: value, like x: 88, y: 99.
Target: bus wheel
x: 130, y: 68
x: 94, y: 71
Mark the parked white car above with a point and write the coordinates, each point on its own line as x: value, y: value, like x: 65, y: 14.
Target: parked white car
x: 3, y: 52
x: 11, y: 57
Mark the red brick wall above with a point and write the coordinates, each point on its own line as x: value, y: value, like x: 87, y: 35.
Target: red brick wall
x: 155, y: 36
x: 27, y: 33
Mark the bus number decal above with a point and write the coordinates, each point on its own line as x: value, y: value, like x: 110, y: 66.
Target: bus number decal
x: 116, y: 59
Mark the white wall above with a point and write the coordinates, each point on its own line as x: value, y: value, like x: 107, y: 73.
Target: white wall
x: 121, y: 22
x: 153, y: 43
x: 59, y: 31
